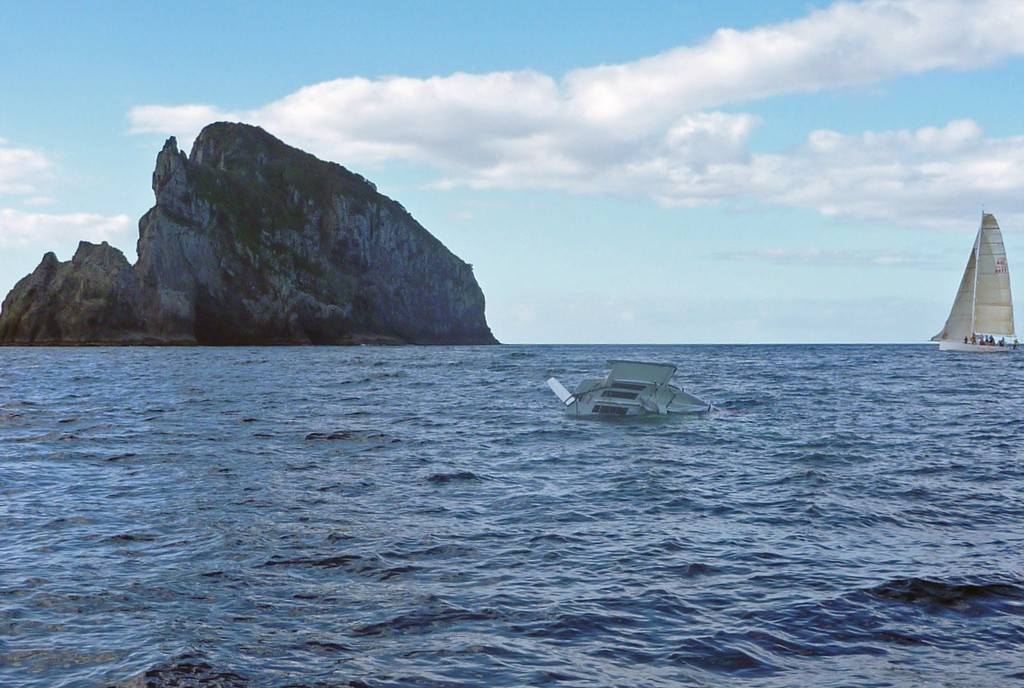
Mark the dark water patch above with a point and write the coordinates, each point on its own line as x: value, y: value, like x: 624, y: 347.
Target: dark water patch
x: 187, y: 671
x: 122, y: 457
x: 738, y: 405
x: 342, y: 561
x: 850, y: 517
x: 423, y: 549
x: 673, y: 545
x: 370, y: 566
x: 327, y: 646
x: 975, y: 599
x: 897, y: 637
x: 555, y: 539
x: 336, y: 537
x: 444, y: 551
x: 722, y: 654
x: 579, y: 625
x: 693, y: 570
x: 430, y: 618
x: 351, y: 436
x: 809, y: 477
x: 916, y: 493
x: 305, y: 466
x: 761, y: 558
x: 458, y: 476
x: 388, y: 573
x: 133, y: 537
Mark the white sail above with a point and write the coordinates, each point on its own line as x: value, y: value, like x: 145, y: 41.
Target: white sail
x: 960, y: 322
x: 983, y: 303
x: 993, y: 304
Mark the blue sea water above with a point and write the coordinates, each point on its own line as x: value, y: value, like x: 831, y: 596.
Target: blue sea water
x: 849, y: 516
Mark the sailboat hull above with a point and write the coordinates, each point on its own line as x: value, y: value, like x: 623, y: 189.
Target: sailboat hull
x: 975, y: 348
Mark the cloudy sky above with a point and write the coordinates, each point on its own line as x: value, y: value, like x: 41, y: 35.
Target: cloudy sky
x: 663, y: 172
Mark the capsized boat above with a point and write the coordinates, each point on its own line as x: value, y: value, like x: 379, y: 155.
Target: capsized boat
x: 631, y: 388
x: 981, y: 319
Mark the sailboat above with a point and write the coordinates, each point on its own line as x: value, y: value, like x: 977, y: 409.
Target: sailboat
x: 981, y: 319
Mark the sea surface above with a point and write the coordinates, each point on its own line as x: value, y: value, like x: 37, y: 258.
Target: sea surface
x: 428, y: 516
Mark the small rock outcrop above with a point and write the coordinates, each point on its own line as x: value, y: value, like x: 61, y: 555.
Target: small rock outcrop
x: 252, y: 241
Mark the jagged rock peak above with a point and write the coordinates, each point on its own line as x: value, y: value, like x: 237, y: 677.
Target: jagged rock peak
x: 170, y: 168
x: 228, y: 144
x: 96, y: 252
x: 239, y: 147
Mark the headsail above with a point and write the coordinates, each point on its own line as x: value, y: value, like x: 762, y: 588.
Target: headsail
x: 983, y: 303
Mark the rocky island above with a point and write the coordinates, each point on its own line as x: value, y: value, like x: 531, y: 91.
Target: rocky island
x: 252, y: 241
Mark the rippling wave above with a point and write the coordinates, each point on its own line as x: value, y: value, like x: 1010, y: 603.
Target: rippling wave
x: 851, y: 515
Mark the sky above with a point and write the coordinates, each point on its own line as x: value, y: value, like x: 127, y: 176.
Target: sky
x: 616, y: 172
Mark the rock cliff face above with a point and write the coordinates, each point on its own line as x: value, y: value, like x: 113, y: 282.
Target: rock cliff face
x: 252, y: 241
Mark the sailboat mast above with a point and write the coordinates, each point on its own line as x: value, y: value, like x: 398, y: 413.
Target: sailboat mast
x: 977, y: 265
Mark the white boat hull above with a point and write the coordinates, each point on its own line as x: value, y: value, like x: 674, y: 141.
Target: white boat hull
x: 975, y: 348
x: 592, y: 406
x: 632, y: 388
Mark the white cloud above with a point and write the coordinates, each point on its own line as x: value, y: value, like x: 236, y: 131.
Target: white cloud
x: 923, y: 178
x: 653, y: 127
x: 21, y: 169
x: 22, y: 172
x: 18, y: 228
x: 844, y: 45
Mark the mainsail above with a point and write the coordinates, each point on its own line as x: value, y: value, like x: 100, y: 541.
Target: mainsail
x: 983, y: 303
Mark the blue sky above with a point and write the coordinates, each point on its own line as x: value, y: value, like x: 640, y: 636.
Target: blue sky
x: 655, y: 172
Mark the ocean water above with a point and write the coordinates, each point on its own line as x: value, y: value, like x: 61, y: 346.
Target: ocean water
x: 849, y: 516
